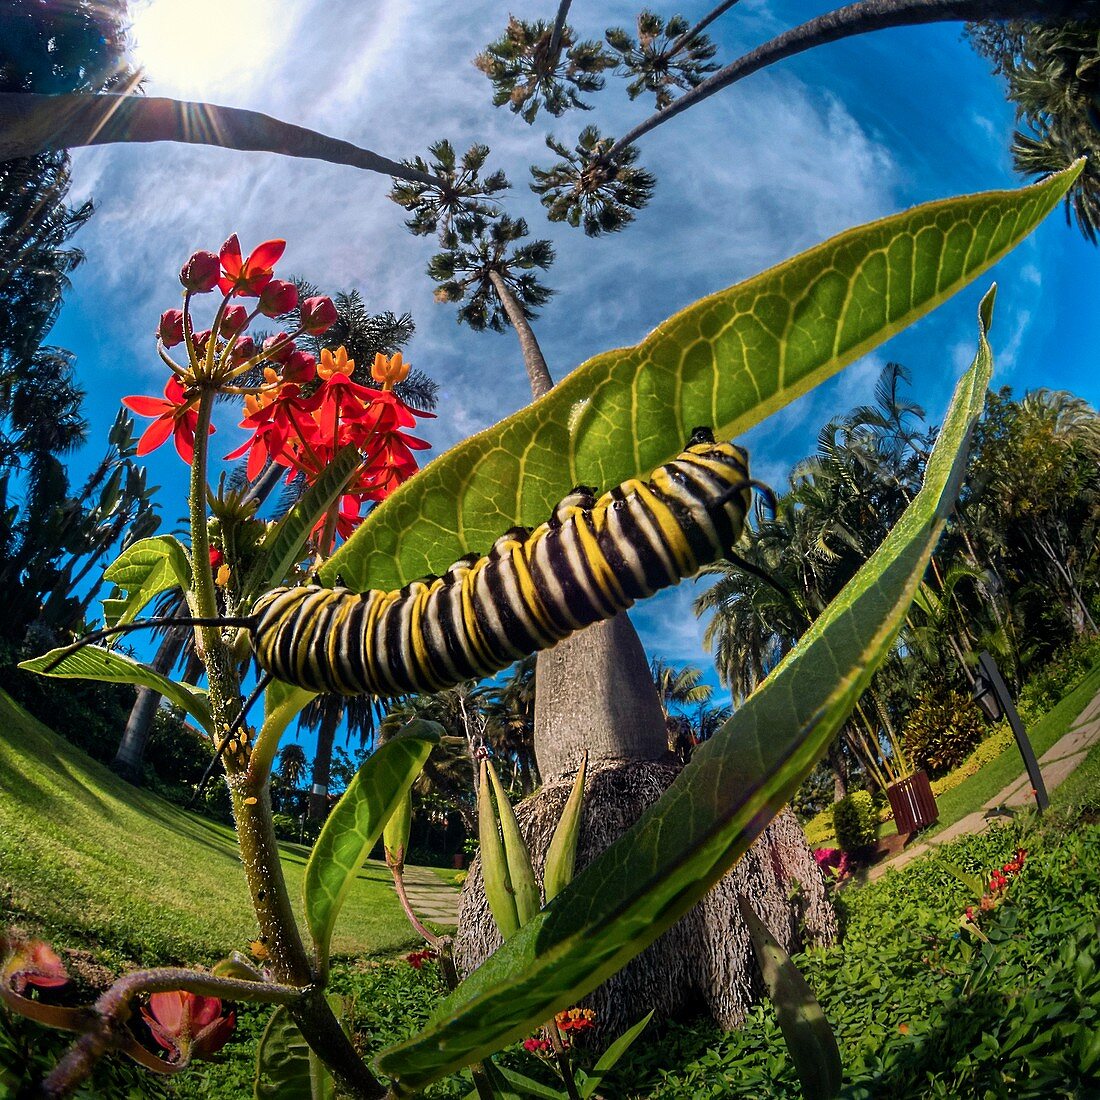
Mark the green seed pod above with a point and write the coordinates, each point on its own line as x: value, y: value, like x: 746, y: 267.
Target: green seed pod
x: 520, y: 871
x: 562, y: 853
x: 494, y: 867
x: 395, y: 835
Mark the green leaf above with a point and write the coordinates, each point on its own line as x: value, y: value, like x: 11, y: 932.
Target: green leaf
x: 520, y: 872
x: 494, y: 863
x: 719, y: 803
x: 726, y: 362
x: 972, y: 882
x: 356, y: 822
x: 93, y: 663
x: 286, y: 1067
x: 143, y: 571
x: 282, y: 704
x: 282, y: 546
x: 562, y: 853
x: 809, y: 1037
x: 395, y: 835
x: 519, y: 1084
x: 610, y: 1056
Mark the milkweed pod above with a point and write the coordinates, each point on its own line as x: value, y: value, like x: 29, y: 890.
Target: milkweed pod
x: 395, y: 835
x: 520, y: 871
x: 494, y: 866
x: 562, y: 853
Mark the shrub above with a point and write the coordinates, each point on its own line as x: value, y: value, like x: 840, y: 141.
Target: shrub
x: 941, y: 733
x: 1045, y: 688
x: 855, y: 821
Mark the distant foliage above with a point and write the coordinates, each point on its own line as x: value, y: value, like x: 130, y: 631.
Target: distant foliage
x: 1056, y: 679
x: 855, y: 821
x: 941, y: 732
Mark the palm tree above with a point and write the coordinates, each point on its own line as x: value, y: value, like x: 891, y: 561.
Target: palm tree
x: 539, y: 64
x: 677, y: 689
x: 1052, y: 73
x: 496, y: 283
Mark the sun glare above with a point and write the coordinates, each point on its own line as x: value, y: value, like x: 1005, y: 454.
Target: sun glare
x: 201, y: 45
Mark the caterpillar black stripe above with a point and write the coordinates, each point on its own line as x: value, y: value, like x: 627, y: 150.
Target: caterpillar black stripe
x: 590, y: 560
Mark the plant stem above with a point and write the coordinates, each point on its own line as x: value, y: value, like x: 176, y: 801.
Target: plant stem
x: 538, y: 373
x: 414, y: 920
x: 853, y: 19
x: 562, y: 1057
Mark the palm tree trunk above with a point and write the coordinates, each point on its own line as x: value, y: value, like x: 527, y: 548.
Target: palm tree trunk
x: 322, y: 763
x: 130, y: 756
x: 853, y: 19
x: 559, y: 26
x: 538, y: 373
x: 690, y: 36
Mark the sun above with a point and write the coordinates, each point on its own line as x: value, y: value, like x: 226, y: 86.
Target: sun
x: 199, y: 46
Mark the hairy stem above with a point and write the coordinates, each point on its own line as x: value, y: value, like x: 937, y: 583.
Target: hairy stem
x: 853, y: 19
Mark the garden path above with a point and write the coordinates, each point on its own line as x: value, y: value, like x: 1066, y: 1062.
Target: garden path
x: 1056, y: 764
x: 431, y: 897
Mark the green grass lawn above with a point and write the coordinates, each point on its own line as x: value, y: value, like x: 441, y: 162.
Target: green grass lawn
x: 970, y: 795
x: 89, y: 860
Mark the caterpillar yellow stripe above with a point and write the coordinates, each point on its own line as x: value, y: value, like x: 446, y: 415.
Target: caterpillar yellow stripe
x: 590, y: 560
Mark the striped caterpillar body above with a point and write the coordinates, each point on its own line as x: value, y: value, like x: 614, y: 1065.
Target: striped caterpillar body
x: 590, y: 560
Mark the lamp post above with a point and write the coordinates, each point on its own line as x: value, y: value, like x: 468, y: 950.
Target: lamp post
x: 991, y: 694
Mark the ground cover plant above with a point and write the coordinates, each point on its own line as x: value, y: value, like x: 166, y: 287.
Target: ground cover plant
x: 650, y: 418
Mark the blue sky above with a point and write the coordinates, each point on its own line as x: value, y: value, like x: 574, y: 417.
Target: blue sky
x: 759, y: 172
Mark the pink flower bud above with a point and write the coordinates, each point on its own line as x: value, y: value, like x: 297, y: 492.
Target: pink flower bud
x: 300, y: 367
x: 243, y: 349
x: 201, y: 272
x: 30, y: 962
x: 283, y: 353
x: 278, y: 297
x: 200, y: 340
x: 318, y: 315
x: 188, y: 1025
x: 170, y: 329
x: 234, y: 320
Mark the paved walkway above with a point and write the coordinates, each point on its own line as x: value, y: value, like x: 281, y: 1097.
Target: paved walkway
x: 1056, y: 764
x: 432, y: 899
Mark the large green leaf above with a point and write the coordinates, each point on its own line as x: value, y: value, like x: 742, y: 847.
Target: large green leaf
x: 726, y: 362
x: 93, y: 663
x: 144, y: 570
x: 809, y: 1037
x: 717, y: 806
x: 281, y: 548
x: 356, y: 823
x: 286, y: 1067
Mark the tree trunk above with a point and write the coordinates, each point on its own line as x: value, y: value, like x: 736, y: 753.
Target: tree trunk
x: 322, y: 763
x: 538, y: 374
x: 129, y: 759
x: 594, y: 691
x: 704, y: 962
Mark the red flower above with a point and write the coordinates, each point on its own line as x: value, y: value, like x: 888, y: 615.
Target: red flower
x: 244, y: 347
x: 418, y: 958
x: 248, y: 277
x: 31, y: 962
x: 275, y: 352
x: 200, y: 274
x: 278, y: 297
x: 175, y: 415
x: 233, y: 320
x: 575, y: 1019
x: 170, y: 329
x: 318, y: 315
x: 299, y: 367
x: 536, y: 1046
x: 186, y: 1024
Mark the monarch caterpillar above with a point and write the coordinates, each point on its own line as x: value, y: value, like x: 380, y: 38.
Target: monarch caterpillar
x: 590, y: 560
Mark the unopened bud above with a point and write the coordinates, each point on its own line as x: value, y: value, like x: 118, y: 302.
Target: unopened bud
x: 318, y: 315
x: 278, y: 297
x: 201, y: 272
x: 170, y: 329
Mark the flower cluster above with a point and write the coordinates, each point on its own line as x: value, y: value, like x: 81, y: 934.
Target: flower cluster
x: 299, y: 412
x: 417, y: 959
x: 29, y: 963
x: 540, y: 1047
x: 575, y: 1019
x: 832, y: 861
x: 187, y: 1025
x: 998, y: 883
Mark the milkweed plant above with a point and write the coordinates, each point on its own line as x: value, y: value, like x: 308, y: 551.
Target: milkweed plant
x: 362, y: 517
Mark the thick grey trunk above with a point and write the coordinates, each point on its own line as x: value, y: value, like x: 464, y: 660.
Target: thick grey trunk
x: 594, y: 691
x: 702, y: 962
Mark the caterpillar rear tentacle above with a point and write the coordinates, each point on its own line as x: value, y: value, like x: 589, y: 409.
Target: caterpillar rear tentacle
x: 592, y: 559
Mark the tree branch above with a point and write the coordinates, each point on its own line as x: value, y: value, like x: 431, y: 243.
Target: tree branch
x: 860, y: 18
